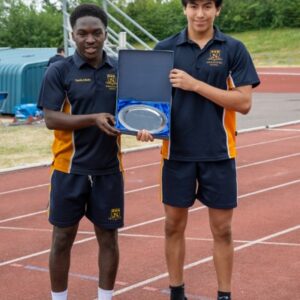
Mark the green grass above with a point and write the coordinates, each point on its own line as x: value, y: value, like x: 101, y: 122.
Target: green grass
x: 272, y: 47
x: 276, y: 47
x: 31, y: 144
x: 23, y: 145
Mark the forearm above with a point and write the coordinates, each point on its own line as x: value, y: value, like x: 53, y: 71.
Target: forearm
x: 235, y: 99
x: 62, y: 121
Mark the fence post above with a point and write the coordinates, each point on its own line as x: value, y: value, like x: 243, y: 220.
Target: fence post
x: 65, y: 25
x: 104, y: 4
x: 122, y: 40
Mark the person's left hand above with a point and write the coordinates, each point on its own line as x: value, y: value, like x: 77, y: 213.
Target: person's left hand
x: 144, y: 136
x: 182, y: 80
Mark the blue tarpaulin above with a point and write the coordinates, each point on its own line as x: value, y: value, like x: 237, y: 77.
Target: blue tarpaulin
x: 25, y: 111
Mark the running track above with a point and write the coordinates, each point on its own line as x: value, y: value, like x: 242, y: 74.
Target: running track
x: 266, y: 228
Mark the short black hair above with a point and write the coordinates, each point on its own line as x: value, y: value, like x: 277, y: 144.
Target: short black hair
x: 60, y: 50
x: 185, y: 2
x: 88, y: 10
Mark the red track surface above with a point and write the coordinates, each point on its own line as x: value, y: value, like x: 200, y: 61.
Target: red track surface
x: 266, y: 230
x: 279, y: 80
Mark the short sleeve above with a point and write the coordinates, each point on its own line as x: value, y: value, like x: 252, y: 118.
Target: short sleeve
x: 242, y: 68
x: 158, y: 47
x: 52, y: 93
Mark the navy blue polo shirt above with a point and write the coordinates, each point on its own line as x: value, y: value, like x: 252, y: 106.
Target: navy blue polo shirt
x: 76, y: 88
x: 200, y: 129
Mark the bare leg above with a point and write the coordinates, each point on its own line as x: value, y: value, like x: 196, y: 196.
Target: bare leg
x: 60, y: 256
x: 220, y: 224
x: 176, y: 219
x: 108, y: 259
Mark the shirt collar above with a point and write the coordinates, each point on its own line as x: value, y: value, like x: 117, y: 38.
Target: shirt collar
x: 183, y: 36
x: 79, y: 60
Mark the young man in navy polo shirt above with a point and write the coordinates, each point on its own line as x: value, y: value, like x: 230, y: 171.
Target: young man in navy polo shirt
x: 78, y: 98
x: 212, y: 79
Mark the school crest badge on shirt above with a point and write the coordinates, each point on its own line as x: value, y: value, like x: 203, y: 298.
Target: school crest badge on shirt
x: 111, y: 82
x: 215, y: 58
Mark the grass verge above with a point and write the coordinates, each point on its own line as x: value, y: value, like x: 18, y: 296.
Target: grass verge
x: 30, y: 144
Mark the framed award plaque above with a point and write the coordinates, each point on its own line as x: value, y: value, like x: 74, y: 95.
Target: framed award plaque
x: 144, y: 92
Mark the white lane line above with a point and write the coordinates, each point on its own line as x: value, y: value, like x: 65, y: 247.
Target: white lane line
x: 24, y: 216
x: 148, y: 222
x: 149, y: 236
x: 47, y: 184
x: 142, y: 189
x: 25, y: 189
x: 43, y: 211
x: 278, y: 129
x: 269, y: 126
x: 147, y: 188
x: 42, y: 230
x: 157, y: 163
x: 142, y: 166
x: 40, y: 253
x: 269, y: 142
x: 270, y: 189
x: 25, y: 229
x: 279, y: 73
x: 204, y: 260
x: 268, y: 160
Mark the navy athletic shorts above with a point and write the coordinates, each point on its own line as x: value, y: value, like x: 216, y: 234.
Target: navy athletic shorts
x: 213, y: 183
x: 99, y: 198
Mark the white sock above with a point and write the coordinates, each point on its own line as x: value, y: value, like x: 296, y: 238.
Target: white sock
x: 60, y: 295
x: 104, y: 294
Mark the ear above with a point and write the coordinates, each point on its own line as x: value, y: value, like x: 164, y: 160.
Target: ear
x: 218, y: 11
x: 184, y: 11
x: 73, y: 36
x: 105, y: 34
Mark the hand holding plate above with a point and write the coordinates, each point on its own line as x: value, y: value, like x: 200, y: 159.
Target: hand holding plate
x: 144, y: 136
x: 106, y: 122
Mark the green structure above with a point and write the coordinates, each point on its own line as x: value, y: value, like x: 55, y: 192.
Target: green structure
x: 21, y: 73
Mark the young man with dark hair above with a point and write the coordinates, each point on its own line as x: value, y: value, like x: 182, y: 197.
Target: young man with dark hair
x: 60, y: 54
x: 78, y: 98
x: 212, y: 79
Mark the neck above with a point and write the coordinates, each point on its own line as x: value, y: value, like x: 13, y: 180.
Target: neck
x: 201, y: 37
x: 95, y: 62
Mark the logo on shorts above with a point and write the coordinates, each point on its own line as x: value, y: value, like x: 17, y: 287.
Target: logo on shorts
x: 111, y: 82
x: 115, y: 214
x: 215, y: 58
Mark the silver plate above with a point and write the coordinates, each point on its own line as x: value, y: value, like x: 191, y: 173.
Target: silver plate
x: 139, y: 116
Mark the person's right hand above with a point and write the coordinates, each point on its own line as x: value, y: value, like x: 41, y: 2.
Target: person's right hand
x: 144, y: 136
x: 106, y: 122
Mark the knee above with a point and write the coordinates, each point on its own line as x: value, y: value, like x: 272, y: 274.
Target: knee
x: 109, y: 240
x: 174, y: 227
x: 222, y: 233
x: 62, y: 242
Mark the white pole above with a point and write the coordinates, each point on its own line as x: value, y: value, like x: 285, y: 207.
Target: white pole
x: 122, y: 40
x: 65, y: 26
x: 104, y: 5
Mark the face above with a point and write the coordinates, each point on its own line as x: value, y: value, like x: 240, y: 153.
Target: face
x: 201, y: 15
x: 89, y: 34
